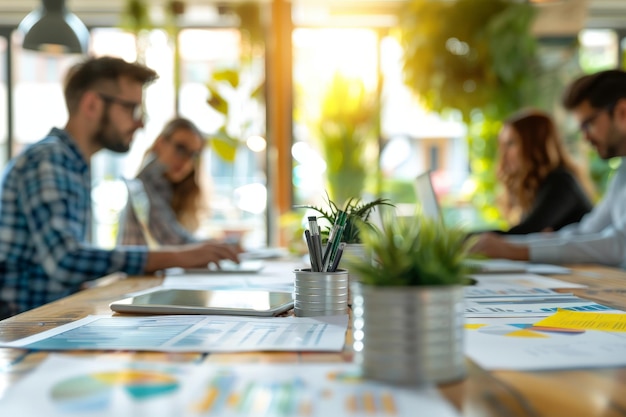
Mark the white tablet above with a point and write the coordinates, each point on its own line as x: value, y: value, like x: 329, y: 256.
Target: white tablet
x: 224, y: 302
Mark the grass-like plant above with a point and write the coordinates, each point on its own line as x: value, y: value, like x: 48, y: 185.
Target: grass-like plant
x: 357, y: 212
x: 414, y: 251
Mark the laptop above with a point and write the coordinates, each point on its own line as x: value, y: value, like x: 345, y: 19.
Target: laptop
x: 426, y: 196
x: 225, y: 267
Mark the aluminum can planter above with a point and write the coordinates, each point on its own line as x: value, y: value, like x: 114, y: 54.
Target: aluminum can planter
x: 409, y: 335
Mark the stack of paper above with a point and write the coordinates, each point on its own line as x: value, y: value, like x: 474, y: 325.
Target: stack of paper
x: 518, y: 321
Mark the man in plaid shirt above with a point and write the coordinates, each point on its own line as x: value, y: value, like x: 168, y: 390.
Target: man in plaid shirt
x: 45, y: 204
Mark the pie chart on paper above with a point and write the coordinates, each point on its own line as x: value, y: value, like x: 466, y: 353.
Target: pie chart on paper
x: 93, y: 392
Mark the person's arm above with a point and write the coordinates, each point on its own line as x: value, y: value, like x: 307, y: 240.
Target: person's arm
x: 594, y: 222
x: 496, y: 246
x: 197, y: 255
x: 54, y: 202
x: 601, y: 235
x: 55, y: 209
x: 560, y: 201
x: 606, y: 248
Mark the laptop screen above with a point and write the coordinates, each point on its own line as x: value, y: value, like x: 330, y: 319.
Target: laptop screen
x: 426, y: 196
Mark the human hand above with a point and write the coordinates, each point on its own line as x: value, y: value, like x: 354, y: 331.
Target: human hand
x: 493, y: 245
x: 195, y: 255
x: 212, y: 252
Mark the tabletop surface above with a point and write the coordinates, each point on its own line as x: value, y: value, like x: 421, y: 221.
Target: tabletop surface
x: 580, y: 392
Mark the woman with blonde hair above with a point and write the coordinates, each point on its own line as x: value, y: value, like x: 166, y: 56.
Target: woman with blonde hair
x: 166, y: 198
x: 543, y: 190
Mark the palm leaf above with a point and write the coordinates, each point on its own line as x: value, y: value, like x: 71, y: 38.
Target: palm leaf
x: 357, y: 212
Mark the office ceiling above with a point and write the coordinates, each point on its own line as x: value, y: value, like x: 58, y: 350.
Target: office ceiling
x: 595, y: 13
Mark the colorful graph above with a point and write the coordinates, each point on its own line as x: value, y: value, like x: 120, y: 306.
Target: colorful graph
x: 228, y: 394
x: 253, y: 397
x: 93, y: 392
x: 522, y: 330
x: 68, y: 386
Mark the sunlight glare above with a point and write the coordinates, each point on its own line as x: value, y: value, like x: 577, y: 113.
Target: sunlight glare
x: 251, y: 198
x: 353, y: 52
x: 256, y: 143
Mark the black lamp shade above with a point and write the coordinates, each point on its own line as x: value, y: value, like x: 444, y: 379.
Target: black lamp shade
x: 52, y: 28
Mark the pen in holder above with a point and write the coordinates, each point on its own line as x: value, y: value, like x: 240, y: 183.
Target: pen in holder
x: 320, y: 293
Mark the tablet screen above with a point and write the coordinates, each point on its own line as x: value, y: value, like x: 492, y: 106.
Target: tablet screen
x: 228, y: 302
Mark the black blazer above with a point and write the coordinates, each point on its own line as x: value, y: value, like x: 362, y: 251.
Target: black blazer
x: 560, y: 201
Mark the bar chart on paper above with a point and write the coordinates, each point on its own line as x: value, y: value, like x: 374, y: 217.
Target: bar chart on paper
x: 288, y: 398
x: 309, y: 390
x: 193, y: 334
x: 69, y: 386
x: 529, y: 305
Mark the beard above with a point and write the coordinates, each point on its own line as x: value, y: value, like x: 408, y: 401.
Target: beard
x: 109, y: 137
x: 615, y: 141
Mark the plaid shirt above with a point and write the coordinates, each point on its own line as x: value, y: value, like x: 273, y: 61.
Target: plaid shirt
x: 163, y: 226
x: 45, y: 218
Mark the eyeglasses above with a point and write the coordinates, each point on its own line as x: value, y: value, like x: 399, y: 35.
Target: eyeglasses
x: 135, y: 109
x: 587, y: 124
x: 181, y: 150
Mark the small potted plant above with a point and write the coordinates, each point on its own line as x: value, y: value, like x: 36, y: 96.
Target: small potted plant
x: 408, y: 306
x: 358, y: 217
x: 357, y: 212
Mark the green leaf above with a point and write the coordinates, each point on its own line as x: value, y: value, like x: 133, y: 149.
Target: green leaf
x: 358, y: 214
x: 259, y: 92
x: 413, y: 251
x: 224, y: 145
x: 231, y: 76
x: 217, y: 101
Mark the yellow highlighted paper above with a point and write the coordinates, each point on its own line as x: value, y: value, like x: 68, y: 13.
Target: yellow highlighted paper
x: 526, y: 333
x: 567, y: 319
x: 471, y: 326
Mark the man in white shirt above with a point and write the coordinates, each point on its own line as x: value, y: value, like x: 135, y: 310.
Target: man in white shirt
x: 598, y: 102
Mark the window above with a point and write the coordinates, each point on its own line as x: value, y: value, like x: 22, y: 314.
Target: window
x: 238, y: 192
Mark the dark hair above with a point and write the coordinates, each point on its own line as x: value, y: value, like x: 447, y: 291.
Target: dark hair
x: 107, y: 70
x: 541, y: 152
x: 601, y: 89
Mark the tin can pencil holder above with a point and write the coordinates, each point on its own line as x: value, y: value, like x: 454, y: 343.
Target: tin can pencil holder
x: 320, y: 293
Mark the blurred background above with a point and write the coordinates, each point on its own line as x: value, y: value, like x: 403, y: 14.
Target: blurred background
x: 307, y: 99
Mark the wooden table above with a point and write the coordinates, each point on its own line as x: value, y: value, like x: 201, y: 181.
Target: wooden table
x: 585, y: 393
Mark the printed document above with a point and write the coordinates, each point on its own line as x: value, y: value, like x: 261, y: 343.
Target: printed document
x: 519, y: 344
x: 193, y: 334
x: 70, y: 386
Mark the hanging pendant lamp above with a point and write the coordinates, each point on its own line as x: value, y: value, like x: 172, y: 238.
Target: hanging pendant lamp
x: 52, y: 28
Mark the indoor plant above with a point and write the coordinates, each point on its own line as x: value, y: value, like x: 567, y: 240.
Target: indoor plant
x: 358, y: 218
x: 408, y: 306
x: 483, y: 64
x: 357, y: 212
x: 345, y: 127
